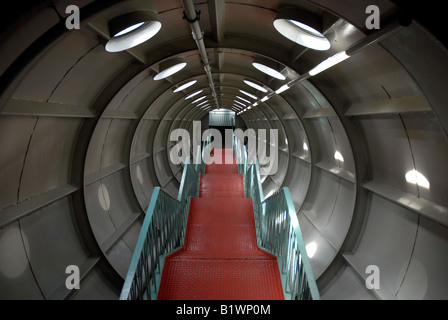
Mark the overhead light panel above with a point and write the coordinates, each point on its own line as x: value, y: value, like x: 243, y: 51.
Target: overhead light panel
x: 185, y: 86
x: 302, y: 27
x: 269, y: 71
x: 199, y: 99
x: 255, y: 86
x: 249, y: 94
x: 203, y: 102
x: 170, y: 67
x: 193, y: 94
x: 132, y: 29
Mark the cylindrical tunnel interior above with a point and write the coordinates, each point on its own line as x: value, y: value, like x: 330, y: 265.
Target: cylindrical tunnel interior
x: 85, y: 138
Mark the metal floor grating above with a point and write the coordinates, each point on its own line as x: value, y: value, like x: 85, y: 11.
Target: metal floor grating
x: 220, y: 259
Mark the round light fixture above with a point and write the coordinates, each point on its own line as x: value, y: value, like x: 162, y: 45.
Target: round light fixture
x: 199, y: 99
x: 169, y: 68
x: 302, y: 27
x: 185, y: 86
x: 132, y: 29
x: 268, y: 67
x: 193, y: 94
x: 249, y: 94
x: 255, y: 86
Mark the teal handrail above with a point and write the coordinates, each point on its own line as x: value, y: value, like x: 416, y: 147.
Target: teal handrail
x: 278, y: 230
x: 163, y: 231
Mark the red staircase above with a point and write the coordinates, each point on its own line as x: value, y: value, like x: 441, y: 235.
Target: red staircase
x: 220, y: 259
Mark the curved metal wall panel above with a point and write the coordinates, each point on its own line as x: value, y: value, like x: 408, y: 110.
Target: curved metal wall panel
x: 15, y: 270
x: 15, y: 134
x: 120, y: 256
x: 112, y: 149
x: 387, y: 223
x: 346, y: 285
x: 141, y: 174
x: 95, y: 287
x: 51, y: 136
x: 98, y: 204
x: 343, y: 147
x: 52, y: 244
x: 387, y: 141
x: 94, y: 152
x: 297, y: 179
x: 429, y: 153
x: 425, y: 277
x: 39, y: 83
x: 325, y: 252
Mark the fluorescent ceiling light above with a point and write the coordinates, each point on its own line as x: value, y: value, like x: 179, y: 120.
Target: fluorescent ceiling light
x: 282, y: 89
x: 268, y: 70
x: 193, y: 94
x: 132, y: 29
x: 328, y: 63
x: 170, y: 71
x: 249, y: 94
x: 185, y: 86
x: 265, y: 98
x: 255, y: 86
x: 199, y: 99
x: 245, y: 100
x: 255, y: 104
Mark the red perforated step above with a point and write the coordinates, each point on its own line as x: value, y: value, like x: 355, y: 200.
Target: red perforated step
x: 220, y: 258
x: 221, y: 186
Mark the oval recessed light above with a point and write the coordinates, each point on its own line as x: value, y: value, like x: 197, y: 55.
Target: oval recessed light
x: 268, y: 70
x: 199, y: 99
x: 193, y: 94
x: 255, y: 86
x: 204, y: 102
x: 169, y: 71
x: 302, y: 27
x: 132, y: 29
x: 185, y: 86
x: 249, y: 94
